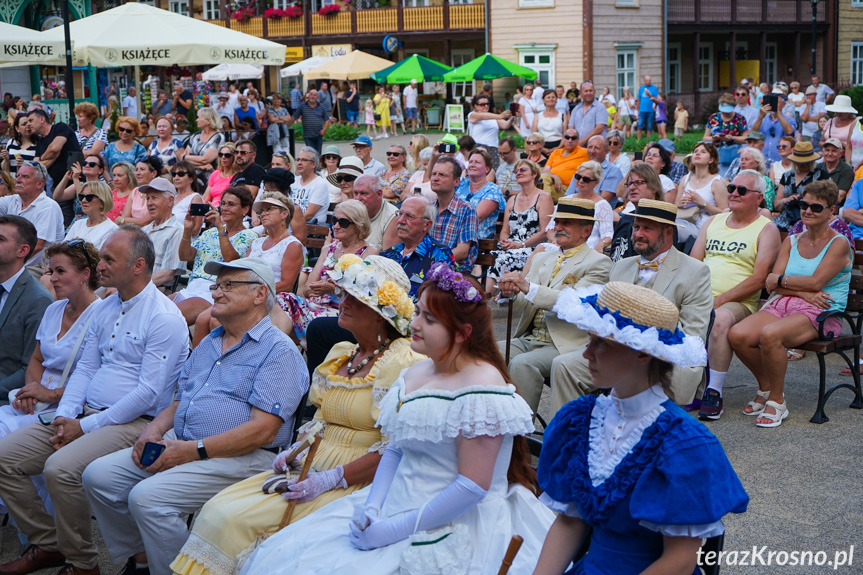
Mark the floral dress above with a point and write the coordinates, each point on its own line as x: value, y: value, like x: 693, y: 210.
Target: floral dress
x: 303, y: 310
x: 522, y: 225
x: 112, y: 155
x: 396, y: 184
x: 168, y: 154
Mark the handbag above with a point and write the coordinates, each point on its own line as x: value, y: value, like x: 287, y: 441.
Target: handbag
x: 446, y: 550
x: 43, y: 405
x: 377, y: 117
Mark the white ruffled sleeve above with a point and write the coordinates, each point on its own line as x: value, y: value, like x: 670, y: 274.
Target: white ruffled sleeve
x: 568, y: 509
x: 698, y: 531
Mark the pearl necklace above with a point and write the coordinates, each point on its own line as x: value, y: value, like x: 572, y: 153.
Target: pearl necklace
x: 352, y: 370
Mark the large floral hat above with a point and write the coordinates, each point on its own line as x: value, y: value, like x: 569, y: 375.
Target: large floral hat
x: 634, y: 316
x: 380, y: 283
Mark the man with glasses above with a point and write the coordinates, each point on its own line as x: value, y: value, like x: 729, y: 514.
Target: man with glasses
x: 310, y: 192
x: 382, y: 214
x: 250, y: 174
x: 564, y: 162
x: 417, y: 250
x: 743, y: 107
x: 363, y: 148
x: 504, y: 175
x: 32, y: 203
x: 773, y: 126
x: 740, y: 247
x: 316, y: 120
x: 236, y: 398
x: 134, y: 350
x: 590, y: 118
x: 165, y: 231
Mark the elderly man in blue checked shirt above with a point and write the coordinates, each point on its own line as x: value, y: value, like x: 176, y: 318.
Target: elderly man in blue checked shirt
x: 234, y: 407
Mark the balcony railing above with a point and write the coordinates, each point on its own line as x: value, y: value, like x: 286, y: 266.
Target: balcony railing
x: 742, y: 12
x: 371, y: 21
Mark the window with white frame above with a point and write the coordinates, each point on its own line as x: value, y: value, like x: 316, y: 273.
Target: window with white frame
x: 627, y: 69
x: 540, y: 59
x: 672, y: 61
x: 179, y: 7
x: 856, y: 63
x: 857, y: 3
x: 318, y: 4
x: 536, y: 3
x: 416, y: 3
x: 462, y: 89
x: 705, y: 67
x: 626, y: 3
x: 770, y: 63
x: 211, y: 10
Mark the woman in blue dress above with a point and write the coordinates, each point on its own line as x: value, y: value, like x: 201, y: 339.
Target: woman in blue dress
x: 649, y: 479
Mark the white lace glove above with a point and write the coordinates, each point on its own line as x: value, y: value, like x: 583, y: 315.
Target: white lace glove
x: 315, y: 484
x: 280, y: 463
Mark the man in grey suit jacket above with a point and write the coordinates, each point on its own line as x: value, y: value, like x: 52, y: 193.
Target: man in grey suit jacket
x: 540, y: 336
x: 681, y: 279
x: 22, y: 302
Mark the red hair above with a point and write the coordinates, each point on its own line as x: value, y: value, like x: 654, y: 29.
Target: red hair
x: 482, y: 346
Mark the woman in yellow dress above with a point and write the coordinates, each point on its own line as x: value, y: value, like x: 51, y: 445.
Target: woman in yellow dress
x: 382, y: 107
x: 347, y: 388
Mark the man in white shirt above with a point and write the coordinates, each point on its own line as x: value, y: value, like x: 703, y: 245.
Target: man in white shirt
x: 310, y: 192
x: 538, y: 91
x: 504, y: 175
x: 825, y: 92
x: 31, y: 202
x: 363, y: 149
x: 164, y: 231
x: 223, y: 108
x: 812, y: 111
x: 382, y: 214
x: 130, y: 104
x: 410, y: 106
x: 133, y: 352
x: 742, y: 107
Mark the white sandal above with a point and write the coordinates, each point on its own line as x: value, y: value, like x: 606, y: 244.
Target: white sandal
x: 777, y: 418
x: 756, y: 407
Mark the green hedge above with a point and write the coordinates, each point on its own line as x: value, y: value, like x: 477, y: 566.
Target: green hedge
x: 856, y: 94
x: 682, y: 146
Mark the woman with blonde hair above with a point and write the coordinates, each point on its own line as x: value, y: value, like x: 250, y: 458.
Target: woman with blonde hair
x: 220, y: 179
x: 203, y: 147
x: 283, y: 160
x: 533, y: 144
x: 91, y: 138
x: 96, y: 201
x: 126, y: 149
x: 92, y: 169
x: 7, y: 184
x: 417, y: 144
x: 125, y: 180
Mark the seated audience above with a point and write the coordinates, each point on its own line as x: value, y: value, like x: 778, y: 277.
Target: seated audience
x: 225, y: 240
x: 677, y: 170
x: 382, y: 215
x: 236, y: 399
x: 740, y: 248
x: 184, y: 180
x: 653, y: 454
x: 616, y: 155
x: 124, y: 181
x: 754, y: 141
x: 702, y: 192
x: 752, y: 159
x: 525, y: 219
x: 455, y: 457
x: 840, y: 172
x: 280, y: 180
x: 563, y: 162
x: 533, y: 144
x: 456, y: 224
x: 660, y: 159
x: 309, y: 191
x: 133, y: 352
x: 539, y: 336
x: 32, y: 203
x: 347, y: 172
x: 784, y: 148
x: 96, y: 201
x: 597, y: 150
x: 92, y: 169
x: 660, y: 267
x: 811, y: 275
x: 23, y: 301
x: 220, y: 179
x: 642, y: 182
x: 416, y: 250
x: 584, y: 183
x: 168, y: 147
x: 420, y: 179
x: 395, y: 179
x: 484, y: 197
x: 135, y: 207
x: 348, y: 400
x: 793, y: 183
x: 165, y: 231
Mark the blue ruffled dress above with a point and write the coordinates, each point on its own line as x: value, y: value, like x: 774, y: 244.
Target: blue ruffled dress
x: 669, y: 476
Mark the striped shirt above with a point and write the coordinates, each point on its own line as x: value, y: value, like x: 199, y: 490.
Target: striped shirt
x: 313, y: 118
x: 217, y: 391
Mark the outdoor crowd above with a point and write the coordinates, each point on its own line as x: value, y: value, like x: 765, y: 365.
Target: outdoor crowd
x: 629, y: 275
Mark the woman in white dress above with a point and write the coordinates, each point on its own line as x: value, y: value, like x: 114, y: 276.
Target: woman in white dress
x: 526, y: 110
x: 96, y: 201
x: 702, y: 192
x: 454, y: 483
x: 183, y: 178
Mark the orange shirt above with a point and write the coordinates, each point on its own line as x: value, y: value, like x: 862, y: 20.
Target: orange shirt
x: 565, y: 167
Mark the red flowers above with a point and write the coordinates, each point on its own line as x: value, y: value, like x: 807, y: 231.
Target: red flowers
x: 276, y: 13
x: 330, y: 9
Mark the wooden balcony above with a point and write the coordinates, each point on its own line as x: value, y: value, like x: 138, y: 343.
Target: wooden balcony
x: 751, y: 12
x: 376, y: 21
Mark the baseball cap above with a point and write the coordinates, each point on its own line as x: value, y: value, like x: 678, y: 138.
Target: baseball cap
x: 223, y: 95
x: 362, y: 141
x: 835, y: 142
x: 261, y: 268
x: 754, y: 136
x: 159, y: 186
x: 666, y: 145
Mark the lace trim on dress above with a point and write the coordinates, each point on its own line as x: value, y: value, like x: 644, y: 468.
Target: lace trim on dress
x: 601, y: 464
x: 700, y: 531
x: 379, y: 446
x: 378, y: 395
x: 568, y: 509
x: 435, y: 414
x: 211, y: 557
x: 304, y: 428
x: 325, y: 381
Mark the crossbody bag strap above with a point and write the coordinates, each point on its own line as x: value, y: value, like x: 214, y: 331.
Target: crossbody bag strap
x: 74, y: 353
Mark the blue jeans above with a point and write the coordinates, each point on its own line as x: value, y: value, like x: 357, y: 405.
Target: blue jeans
x: 352, y: 116
x: 647, y: 121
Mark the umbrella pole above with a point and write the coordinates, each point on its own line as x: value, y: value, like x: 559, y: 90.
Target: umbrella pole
x: 138, y: 88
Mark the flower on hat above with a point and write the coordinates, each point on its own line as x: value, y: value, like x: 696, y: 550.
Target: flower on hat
x: 347, y: 260
x: 371, y: 285
x: 388, y: 293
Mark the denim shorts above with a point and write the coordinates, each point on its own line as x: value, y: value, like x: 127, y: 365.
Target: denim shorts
x: 353, y: 115
x: 410, y: 112
x: 646, y: 121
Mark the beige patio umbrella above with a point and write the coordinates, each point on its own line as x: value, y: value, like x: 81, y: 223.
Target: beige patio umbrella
x: 134, y: 34
x: 22, y: 46
x: 354, y: 66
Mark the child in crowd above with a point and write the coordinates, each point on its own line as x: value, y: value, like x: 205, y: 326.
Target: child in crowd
x: 681, y: 120
x: 371, y: 127
x: 661, y: 116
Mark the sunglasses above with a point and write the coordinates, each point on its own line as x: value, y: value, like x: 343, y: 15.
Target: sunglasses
x: 394, y: 154
x: 741, y: 190
x: 343, y: 178
x: 93, y: 164
x: 482, y: 104
x: 816, y: 208
x: 181, y: 173
x: 521, y: 170
x: 343, y: 223
x: 88, y: 197
x: 534, y: 142
x: 243, y: 153
x: 80, y: 245
x: 570, y: 137
x: 229, y: 155
x: 585, y: 179
x: 741, y: 94
x: 613, y: 143
x: 126, y: 130
x: 325, y: 158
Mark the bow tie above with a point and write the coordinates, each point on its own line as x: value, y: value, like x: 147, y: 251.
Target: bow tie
x: 654, y: 265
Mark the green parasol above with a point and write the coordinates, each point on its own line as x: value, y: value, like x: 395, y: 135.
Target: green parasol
x: 413, y: 68
x: 488, y: 67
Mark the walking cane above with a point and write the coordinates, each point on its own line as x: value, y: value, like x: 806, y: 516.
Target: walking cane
x: 508, y: 327
x: 511, y: 552
x: 312, y: 442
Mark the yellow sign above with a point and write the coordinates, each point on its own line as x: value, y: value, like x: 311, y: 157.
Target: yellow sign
x: 743, y: 69
x: 331, y: 50
x: 293, y: 54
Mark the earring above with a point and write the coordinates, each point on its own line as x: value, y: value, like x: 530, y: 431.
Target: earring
x: 379, y: 337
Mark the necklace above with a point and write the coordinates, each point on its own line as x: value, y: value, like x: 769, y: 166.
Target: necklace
x: 352, y: 370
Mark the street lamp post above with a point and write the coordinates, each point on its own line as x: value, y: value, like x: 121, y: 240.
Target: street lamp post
x: 814, y: 33
x: 70, y: 82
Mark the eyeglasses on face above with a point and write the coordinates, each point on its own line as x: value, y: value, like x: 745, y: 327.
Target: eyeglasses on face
x: 483, y: 103
x: 181, y: 173
x: 343, y: 223
x: 344, y: 178
x: 408, y: 217
x: 88, y: 197
x: 585, y: 179
x: 228, y: 285
x: 614, y: 142
x: 634, y: 183
x: 816, y: 208
x: 521, y: 170
x: 305, y: 160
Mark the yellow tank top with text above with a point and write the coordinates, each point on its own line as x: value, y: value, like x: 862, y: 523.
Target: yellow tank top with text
x: 730, y: 254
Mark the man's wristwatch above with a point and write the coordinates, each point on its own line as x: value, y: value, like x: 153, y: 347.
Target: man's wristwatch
x: 202, y: 453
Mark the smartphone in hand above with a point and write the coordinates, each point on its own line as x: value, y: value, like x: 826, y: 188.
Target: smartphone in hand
x: 151, y: 453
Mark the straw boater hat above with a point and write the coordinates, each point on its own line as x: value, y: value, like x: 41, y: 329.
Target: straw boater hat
x: 662, y: 212
x: 803, y: 153
x: 634, y: 316
x: 380, y: 283
x: 575, y: 209
x: 350, y: 166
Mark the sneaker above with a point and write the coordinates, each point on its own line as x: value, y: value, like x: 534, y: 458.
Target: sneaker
x: 711, y: 405
x: 131, y: 569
